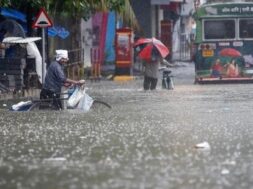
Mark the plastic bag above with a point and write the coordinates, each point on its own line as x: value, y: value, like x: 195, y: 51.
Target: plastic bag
x: 85, y: 103
x: 75, y: 97
x: 21, y: 106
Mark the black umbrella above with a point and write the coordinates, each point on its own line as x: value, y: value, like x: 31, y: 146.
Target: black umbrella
x: 12, y: 28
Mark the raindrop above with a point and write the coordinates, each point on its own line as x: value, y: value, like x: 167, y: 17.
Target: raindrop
x: 226, y: 109
x: 31, y: 150
x: 57, y: 161
x: 229, y: 162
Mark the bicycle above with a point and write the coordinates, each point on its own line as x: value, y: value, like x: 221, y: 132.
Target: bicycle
x: 167, y: 78
x: 48, y: 104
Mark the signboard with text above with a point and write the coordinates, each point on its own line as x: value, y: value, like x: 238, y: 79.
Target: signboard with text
x: 243, y: 9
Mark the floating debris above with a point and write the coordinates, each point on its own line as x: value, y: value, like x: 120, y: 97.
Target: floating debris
x: 225, y: 171
x: 58, y: 159
x: 203, y: 145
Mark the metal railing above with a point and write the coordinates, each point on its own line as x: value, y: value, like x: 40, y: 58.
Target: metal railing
x: 74, y: 69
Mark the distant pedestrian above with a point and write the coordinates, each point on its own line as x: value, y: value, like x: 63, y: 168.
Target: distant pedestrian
x: 151, y: 70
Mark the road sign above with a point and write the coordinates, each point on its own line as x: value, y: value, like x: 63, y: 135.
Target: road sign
x: 42, y: 20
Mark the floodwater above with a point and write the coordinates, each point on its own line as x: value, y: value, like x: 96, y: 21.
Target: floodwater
x: 147, y: 140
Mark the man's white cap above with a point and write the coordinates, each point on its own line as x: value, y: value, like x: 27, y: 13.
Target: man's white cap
x: 61, y: 54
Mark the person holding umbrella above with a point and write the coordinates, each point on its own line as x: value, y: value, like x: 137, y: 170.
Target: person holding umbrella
x: 152, y: 51
x: 151, y: 71
x: 11, y: 28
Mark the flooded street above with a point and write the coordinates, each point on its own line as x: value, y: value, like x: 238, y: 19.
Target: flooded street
x: 147, y: 139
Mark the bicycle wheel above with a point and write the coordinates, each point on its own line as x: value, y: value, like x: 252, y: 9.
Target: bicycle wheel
x: 34, y: 106
x: 99, y: 105
x: 171, y: 83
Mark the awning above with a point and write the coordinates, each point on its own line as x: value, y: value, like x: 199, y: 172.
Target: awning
x: 164, y: 2
x: 11, y: 13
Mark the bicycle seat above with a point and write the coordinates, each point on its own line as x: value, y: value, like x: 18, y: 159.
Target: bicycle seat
x: 167, y: 71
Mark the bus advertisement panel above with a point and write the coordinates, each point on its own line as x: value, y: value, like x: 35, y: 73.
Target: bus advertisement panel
x: 224, y: 42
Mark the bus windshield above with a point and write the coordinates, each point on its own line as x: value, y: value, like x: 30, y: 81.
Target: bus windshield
x: 226, y: 29
x: 246, y: 28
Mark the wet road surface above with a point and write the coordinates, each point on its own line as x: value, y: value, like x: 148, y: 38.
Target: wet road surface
x: 147, y: 140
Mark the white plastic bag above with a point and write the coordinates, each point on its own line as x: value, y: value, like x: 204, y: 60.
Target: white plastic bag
x: 75, y: 97
x: 21, y: 106
x: 85, y: 103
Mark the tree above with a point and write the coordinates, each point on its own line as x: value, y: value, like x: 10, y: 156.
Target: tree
x: 71, y: 9
x: 74, y: 8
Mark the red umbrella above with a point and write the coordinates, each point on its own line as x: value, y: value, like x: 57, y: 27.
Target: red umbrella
x: 146, y: 52
x: 150, y: 44
x: 230, y: 52
x: 142, y: 41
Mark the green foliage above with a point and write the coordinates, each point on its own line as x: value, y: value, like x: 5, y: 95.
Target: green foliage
x: 74, y: 8
x: 5, y: 3
x: 19, y: 3
x: 117, y: 5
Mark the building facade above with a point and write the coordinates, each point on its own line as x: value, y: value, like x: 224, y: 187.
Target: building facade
x: 168, y: 20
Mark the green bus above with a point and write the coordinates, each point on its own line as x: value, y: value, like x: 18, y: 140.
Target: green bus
x: 223, y: 50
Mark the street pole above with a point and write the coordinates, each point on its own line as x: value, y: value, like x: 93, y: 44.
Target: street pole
x: 42, y: 21
x: 43, y: 55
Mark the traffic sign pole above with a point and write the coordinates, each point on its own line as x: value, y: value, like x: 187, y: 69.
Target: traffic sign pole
x: 42, y: 21
x: 43, y: 55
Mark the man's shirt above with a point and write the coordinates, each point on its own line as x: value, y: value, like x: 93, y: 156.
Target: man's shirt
x: 55, y: 77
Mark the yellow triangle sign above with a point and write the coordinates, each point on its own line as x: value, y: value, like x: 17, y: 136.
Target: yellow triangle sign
x: 42, y: 20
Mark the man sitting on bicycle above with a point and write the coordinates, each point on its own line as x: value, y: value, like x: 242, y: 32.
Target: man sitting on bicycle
x: 55, y: 79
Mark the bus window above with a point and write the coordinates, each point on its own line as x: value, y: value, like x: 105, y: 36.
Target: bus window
x: 219, y: 29
x: 246, y: 28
